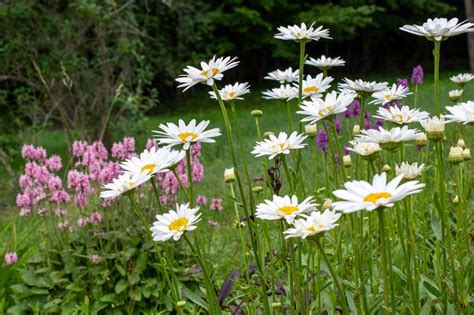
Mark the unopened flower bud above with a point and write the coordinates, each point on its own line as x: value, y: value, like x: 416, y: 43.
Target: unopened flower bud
x: 327, y: 204
x: 257, y: 189
x: 466, y: 154
x: 386, y: 168
x: 356, y: 130
x: 256, y: 113
x: 346, y: 159
x: 267, y: 134
x: 276, y: 305
x: 456, y: 200
x: 455, y: 95
x: 455, y: 155
x: 421, y: 140
x: 320, y: 190
x: 434, y: 128
x: 229, y: 175
x: 461, y: 143
x: 181, y: 303
x: 311, y: 130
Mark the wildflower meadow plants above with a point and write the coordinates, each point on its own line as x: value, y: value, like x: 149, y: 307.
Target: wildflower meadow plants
x: 316, y: 230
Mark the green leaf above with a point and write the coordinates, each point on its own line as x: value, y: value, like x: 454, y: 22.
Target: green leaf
x: 431, y: 288
x: 121, y: 286
x: 111, y: 298
x: 142, y: 261
x: 196, y: 299
x: 134, y: 278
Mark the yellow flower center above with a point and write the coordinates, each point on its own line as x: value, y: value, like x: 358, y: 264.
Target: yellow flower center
x: 388, y: 97
x: 149, y: 167
x: 206, y: 72
x: 131, y: 184
x: 287, y: 210
x: 376, y: 196
x: 311, y: 89
x: 185, y: 135
x: 232, y: 94
x: 397, y: 117
x: 179, y: 224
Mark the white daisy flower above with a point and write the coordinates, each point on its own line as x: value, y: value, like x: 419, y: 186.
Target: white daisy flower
x: 124, y: 183
x: 213, y: 70
x: 388, y: 138
x: 455, y: 95
x: 282, y: 144
x: 313, y: 224
x: 287, y: 75
x: 318, y: 108
x: 302, y: 33
x: 396, y: 92
x: 284, y: 92
x: 324, y: 62
x: 153, y: 161
x: 174, y: 223
x: 439, y: 29
x: 408, y: 171
x: 462, y: 78
x: 462, y: 113
x: 403, y: 115
x: 434, y: 127
x: 284, y: 208
x: 361, y: 195
x: 362, y: 87
x: 315, y: 86
x: 232, y: 91
x: 365, y: 149
x: 171, y: 134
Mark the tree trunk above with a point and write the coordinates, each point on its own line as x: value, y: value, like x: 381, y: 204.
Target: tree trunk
x: 469, y: 6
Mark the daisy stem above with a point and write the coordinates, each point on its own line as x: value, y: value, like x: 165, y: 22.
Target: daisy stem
x: 338, y: 148
x: 362, y: 112
x: 386, y: 288
x: 157, y: 195
x: 331, y: 150
x: 334, y: 277
x: 288, y: 113
x: 265, y: 160
x: 266, y: 306
x: 180, y: 183
x: 190, y: 176
x: 301, y: 69
x: 436, y: 53
x: 287, y: 172
x: 214, y: 307
x: 461, y: 225
x: 237, y: 217
x: 415, y: 96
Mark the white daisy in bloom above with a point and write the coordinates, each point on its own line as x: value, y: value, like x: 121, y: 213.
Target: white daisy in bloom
x: 302, y: 33
x: 409, y: 171
x: 153, y: 161
x: 388, y: 138
x: 439, y: 29
x: 282, y: 144
x: 284, y: 208
x: 213, y: 70
x: 232, y: 91
x: 315, y: 86
x: 462, y: 78
x: 174, y: 223
x: 284, y: 92
x: 364, y: 148
x: 396, y: 92
x: 125, y: 182
x: 324, y: 62
x: 361, y: 195
x: 318, y: 108
x: 434, y: 127
x: 462, y: 113
x: 287, y: 75
x: 171, y: 134
x: 403, y: 115
x: 362, y: 87
x: 313, y: 224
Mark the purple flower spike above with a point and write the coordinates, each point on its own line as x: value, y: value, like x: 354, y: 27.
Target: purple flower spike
x: 417, y: 75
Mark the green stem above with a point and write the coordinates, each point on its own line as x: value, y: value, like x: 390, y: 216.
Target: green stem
x: 339, y: 149
x: 436, y: 53
x: 288, y: 174
x: 386, y: 287
x: 288, y: 114
x: 190, y: 177
x: 180, y: 183
x: 362, y: 112
x: 157, y: 195
x: 415, y: 96
x: 237, y: 217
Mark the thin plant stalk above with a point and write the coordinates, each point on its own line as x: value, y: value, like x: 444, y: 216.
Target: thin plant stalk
x: 157, y: 194
x: 436, y: 53
x: 190, y: 177
x: 383, y: 240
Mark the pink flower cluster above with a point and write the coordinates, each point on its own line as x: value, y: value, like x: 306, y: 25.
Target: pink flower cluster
x: 10, y: 258
x: 125, y: 149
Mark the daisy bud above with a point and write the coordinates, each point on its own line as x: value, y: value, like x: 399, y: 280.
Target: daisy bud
x: 466, y: 154
x: 356, y: 130
x: 434, y: 128
x: 267, y: 134
x: 256, y: 113
x: 311, y: 130
x: 456, y: 200
x: 455, y: 95
x: 421, y: 140
x: 276, y: 305
x: 181, y: 303
x: 455, y: 155
x: 346, y: 159
x: 229, y: 175
x: 386, y: 168
x: 327, y: 204
x: 257, y: 189
x: 461, y: 143
x: 320, y: 190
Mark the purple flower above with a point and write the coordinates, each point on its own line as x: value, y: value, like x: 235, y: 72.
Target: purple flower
x: 95, y: 218
x: 345, y: 150
x: 201, y: 200
x: 402, y: 82
x: 151, y: 144
x: 379, y: 123
x: 216, y: 204
x: 322, y: 141
x: 417, y: 75
x: 337, y: 122
x: 10, y: 258
x: 367, y: 123
x: 95, y: 259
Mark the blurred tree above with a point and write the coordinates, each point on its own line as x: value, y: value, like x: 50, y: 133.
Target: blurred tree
x: 469, y: 7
